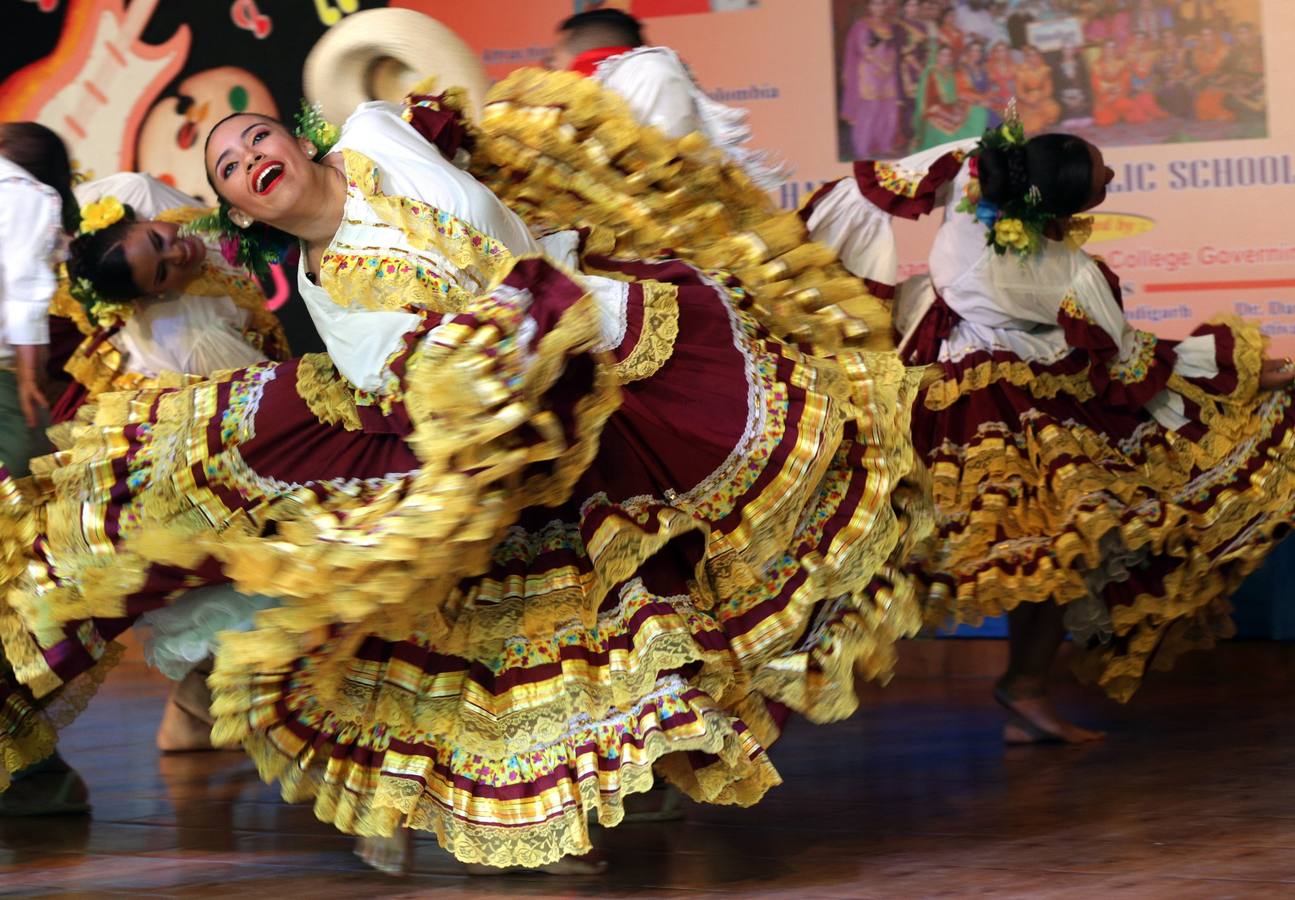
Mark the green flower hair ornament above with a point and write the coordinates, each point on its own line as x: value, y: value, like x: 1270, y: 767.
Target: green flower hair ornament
x: 1019, y: 225
x: 257, y: 248
x: 312, y: 125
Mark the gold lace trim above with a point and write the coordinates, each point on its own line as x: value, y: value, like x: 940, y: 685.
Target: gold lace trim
x: 358, y: 799
x: 68, y: 307
x: 946, y: 392
x: 656, y: 340
x: 479, y: 261
x: 329, y: 396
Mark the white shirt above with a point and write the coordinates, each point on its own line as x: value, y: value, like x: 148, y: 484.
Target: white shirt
x: 661, y: 93
x: 30, y: 213
x: 360, y: 340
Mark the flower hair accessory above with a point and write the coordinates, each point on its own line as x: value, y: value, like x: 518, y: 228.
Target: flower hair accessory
x: 255, y: 249
x: 103, y: 212
x: 312, y: 125
x: 95, y: 217
x: 1019, y: 225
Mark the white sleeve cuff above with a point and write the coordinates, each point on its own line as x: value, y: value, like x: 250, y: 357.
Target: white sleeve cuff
x: 1197, y: 357
x: 26, y: 323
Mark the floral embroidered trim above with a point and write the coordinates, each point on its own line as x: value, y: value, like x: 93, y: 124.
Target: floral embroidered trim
x: 371, y: 278
x: 1134, y: 369
x: 1070, y: 307
x: 899, y: 182
x: 478, y: 256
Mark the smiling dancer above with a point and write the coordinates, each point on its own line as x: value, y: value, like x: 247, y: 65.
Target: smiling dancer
x: 151, y: 298
x: 544, y: 519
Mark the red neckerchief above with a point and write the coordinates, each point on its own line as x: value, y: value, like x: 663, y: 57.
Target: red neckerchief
x: 588, y: 61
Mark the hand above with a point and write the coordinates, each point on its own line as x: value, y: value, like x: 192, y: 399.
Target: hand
x: 1275, y: 374
x: 31, y: 379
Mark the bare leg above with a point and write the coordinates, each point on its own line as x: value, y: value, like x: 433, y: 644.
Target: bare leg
x: 1035, y: 633
x: 186, y: 721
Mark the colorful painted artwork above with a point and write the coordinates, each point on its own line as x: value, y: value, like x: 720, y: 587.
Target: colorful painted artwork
x: 136, y: 86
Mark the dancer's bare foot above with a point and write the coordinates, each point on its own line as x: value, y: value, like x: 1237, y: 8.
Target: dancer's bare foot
x: 389, y: 855
x: 1035, y: 720
x: 48, y: 788
x: 186, y: 721
x: 182, y: 732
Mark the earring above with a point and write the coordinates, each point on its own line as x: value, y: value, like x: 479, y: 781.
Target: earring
x: 240, y: 219
x: 311, y: 151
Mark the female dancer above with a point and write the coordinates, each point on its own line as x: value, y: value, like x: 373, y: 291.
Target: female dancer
x: 154, y: 302
x: 151, y: 298
x: 531, y: 532
x: 1088, y: 475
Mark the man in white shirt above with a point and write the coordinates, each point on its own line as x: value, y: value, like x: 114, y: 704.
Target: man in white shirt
x: 608, y: 45
x: 30, y: 232
x: 36, y: 205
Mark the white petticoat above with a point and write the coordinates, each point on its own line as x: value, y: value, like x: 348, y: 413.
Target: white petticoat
x: 180, y: 636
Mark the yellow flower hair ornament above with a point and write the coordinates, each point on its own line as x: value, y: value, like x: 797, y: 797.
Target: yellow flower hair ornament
x: 95, y: 217
x: 103, y: 212
x: 1018, y: 226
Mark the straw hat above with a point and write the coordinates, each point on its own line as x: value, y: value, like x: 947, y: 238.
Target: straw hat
x: 378, y: 54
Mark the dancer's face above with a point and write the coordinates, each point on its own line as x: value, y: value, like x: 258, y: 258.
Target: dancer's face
x: 259, y: 168
x: 160, y: 259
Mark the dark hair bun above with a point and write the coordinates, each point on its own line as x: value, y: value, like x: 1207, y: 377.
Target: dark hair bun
x: 1004, y: 175
x: 100, y: 259
x: 1059, y: 165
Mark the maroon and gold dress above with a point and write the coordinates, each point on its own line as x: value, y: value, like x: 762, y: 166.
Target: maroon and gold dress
x: 550, y: 515
x: 1131, y: 479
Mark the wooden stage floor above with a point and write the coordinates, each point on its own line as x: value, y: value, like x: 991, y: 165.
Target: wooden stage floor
x: 1192, y: 796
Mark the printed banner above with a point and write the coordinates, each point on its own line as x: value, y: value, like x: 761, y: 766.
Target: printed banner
x: 1192, y: 100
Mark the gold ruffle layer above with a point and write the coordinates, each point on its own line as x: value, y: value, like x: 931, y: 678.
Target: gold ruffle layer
x: 563, y: 152
x: 1047, y: 496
